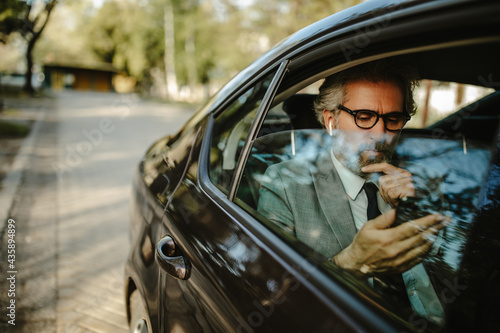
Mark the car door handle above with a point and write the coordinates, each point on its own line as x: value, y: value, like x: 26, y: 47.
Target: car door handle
x: 167, y: 256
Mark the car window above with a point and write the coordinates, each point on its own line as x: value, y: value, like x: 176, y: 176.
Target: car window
x: 230, y: 132
x: 439, y: 99
x: 449, y: 148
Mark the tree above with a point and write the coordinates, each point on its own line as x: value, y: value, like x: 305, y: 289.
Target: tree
x: 10, y: 12
x: 34, y: 22
x: 64, y: 40
x: 169, y: 28
x: 106, y: 31
x: 168, y: 45
x: 128, y: 35
x: 29, y: 18
x: 17, y: 16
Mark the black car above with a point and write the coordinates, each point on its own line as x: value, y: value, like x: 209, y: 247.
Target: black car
x: 205, y: 259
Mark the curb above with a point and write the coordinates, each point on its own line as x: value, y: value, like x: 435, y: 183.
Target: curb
x: 13, y: 179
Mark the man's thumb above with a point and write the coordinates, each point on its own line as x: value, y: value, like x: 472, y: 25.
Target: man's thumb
x: 384, y: 221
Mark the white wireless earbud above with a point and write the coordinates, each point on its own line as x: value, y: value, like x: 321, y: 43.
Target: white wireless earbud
x: 330, y: 128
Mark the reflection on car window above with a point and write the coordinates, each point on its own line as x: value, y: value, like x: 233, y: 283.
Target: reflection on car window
x: 230, y: 133
x: 288, y: 184
x: 290, y: 168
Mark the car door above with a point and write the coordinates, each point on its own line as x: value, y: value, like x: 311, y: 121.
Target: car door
x: 233, y: 281
x: 224, y: 260
x: 451, y: 149
x: 241, y: 273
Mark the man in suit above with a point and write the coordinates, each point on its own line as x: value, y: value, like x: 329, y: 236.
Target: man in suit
x: 334, y: 203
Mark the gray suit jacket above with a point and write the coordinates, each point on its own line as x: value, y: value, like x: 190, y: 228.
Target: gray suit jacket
x: 308, y: 199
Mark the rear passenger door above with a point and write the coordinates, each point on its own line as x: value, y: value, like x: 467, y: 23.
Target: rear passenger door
x: 451, y: 149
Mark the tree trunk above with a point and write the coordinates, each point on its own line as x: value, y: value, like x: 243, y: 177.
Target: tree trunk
x: 192, y: 71
x: 28, y: 87
x: 170, y: 76
x: 460, y: 94
x: 32, y: 37
x: 428, y: 90
x: 1, y: 94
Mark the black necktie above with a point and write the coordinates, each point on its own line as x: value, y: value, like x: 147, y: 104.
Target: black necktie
x: 389, y: 285
x: 371, y: 192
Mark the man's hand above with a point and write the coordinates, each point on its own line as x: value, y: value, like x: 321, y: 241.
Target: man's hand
x: 395, y: 184
x: 376, y: 248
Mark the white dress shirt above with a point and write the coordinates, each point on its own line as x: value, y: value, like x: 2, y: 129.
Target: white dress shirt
x: 420, y: 291
x: 353, y: 186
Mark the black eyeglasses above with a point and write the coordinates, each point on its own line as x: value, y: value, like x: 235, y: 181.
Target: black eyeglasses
x: 366, y: 119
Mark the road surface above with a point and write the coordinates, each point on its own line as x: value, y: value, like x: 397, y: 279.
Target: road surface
x: 71, y: 212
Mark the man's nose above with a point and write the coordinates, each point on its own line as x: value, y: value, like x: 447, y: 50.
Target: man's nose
x: 379, y: 127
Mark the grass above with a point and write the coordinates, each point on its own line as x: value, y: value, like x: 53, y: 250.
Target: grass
x: 10, y: 129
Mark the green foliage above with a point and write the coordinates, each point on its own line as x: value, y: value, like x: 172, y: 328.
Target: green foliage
x: 65, y: 39
x: 13, y: 130
x: 11, y: 14
x: 214, y: 39
x: 128, y: 35
x: 25, y: 17
x: 28, y: 18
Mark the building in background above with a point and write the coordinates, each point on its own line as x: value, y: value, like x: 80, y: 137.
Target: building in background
x: 87, y: 78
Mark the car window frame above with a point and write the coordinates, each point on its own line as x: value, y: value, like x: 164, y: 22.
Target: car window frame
x: 279, y: 69
x: 257, y: 123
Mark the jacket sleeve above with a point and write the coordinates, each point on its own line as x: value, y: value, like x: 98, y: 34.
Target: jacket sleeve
x: 273, y: 200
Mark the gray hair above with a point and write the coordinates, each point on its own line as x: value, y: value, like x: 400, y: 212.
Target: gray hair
x: 332, y: 91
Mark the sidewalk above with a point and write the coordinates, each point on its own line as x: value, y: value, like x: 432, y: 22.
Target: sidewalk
x: 28, y: 196
x: 71, y: 234
x: 15, y: 152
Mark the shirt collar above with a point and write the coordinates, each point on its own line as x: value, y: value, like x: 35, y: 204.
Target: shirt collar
x: 353, y: 184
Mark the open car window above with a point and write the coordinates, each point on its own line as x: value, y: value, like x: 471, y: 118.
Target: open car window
x: 451, y: 150
x: 439, y: 99
x: 230, y: 132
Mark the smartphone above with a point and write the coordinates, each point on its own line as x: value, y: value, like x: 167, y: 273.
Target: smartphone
x: 411, y: 208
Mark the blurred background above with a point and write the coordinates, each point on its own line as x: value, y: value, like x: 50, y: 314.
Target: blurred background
x: 85, y: 87
x: 180, y: 50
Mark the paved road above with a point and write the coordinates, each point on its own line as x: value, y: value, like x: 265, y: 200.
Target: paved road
x: 72, y: 211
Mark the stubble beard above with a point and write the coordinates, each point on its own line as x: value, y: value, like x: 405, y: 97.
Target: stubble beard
x: 355, y: 158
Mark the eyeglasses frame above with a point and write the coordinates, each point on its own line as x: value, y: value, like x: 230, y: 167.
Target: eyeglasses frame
x: 383, y: 116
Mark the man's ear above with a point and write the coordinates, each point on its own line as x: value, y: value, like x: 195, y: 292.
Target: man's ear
x: 329, y: 119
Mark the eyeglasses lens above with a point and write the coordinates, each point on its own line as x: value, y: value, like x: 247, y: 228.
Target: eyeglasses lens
x: 395, y: 122
x: 367, y: 119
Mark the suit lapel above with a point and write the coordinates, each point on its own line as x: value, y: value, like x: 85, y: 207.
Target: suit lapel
x: 333, y: 200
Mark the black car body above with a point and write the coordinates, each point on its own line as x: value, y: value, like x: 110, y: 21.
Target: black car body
x: 203, y: 259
